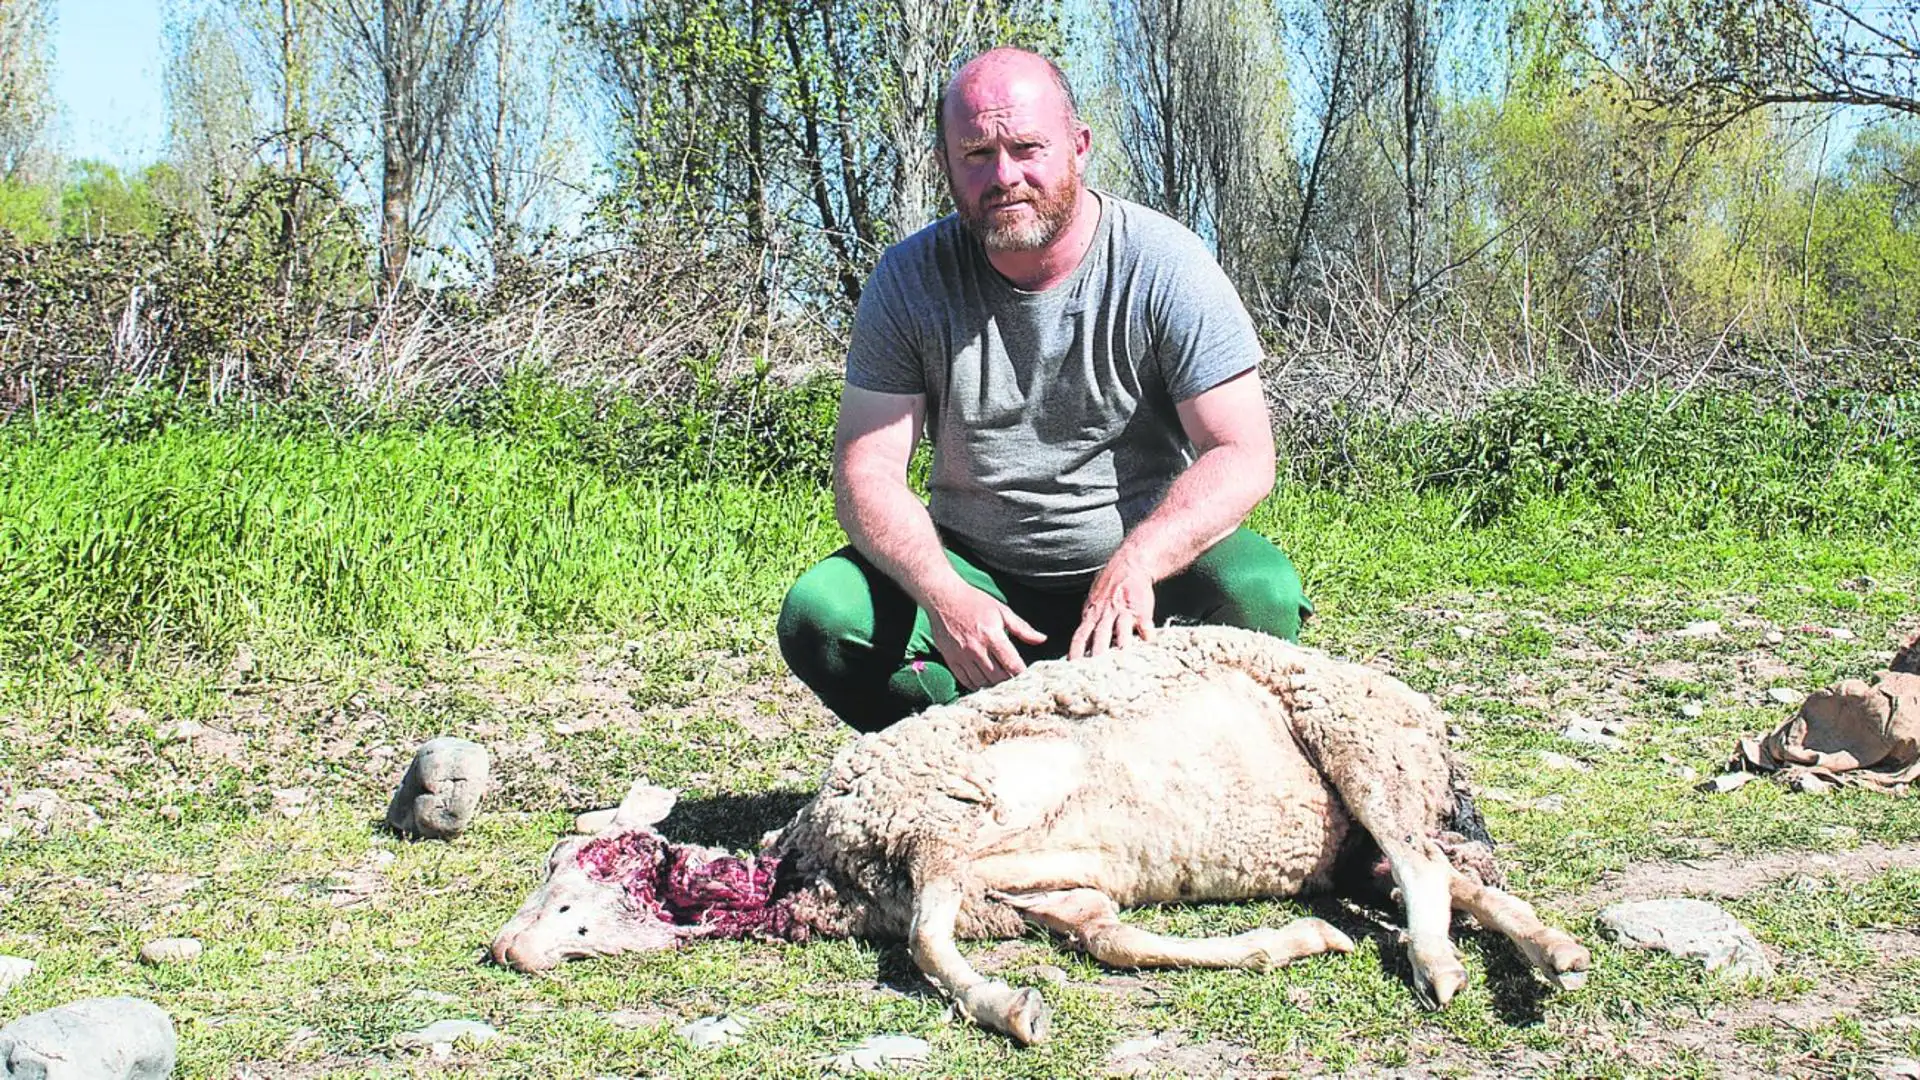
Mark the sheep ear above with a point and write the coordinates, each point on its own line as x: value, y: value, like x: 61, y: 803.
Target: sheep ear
x: 644, y: 806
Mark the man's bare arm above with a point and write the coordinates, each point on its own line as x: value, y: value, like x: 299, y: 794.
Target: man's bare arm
x: 1233, y: 471
x: 890, y: 525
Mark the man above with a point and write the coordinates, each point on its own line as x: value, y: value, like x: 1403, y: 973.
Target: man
x: 1087, y: 377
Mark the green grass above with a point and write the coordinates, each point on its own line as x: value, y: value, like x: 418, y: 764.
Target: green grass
x: 591, y: 626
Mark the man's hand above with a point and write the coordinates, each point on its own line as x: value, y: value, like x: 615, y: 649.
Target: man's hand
x: 974, y: 633
x: 1119, y: 609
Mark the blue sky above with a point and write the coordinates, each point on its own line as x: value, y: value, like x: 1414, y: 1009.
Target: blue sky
x: 108, y: 79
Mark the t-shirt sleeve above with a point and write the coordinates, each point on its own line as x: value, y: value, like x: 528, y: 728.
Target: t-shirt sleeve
x: 1203, y: 334
x: 884, y: 353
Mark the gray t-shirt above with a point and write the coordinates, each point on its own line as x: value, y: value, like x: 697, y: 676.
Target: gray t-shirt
x: 1051, y: 414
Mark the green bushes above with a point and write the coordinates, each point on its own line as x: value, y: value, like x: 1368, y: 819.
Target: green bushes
x: 1651, y: 460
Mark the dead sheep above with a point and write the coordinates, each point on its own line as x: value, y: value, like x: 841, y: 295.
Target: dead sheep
x: 1210, y: 764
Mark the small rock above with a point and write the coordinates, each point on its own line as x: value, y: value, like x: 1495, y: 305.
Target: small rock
x: 445, y: 1033
x: 1708, y: 629
x: 13, y: 971
x: 243, y: 663
x: 170, y: 950
x: 1464, y: 633
x: 1687, y: 773
x: 1561, y: 761
x: 882, y: 1052
x: 1048, y: 973
x: 117, y: 1038
x: 1773, y: 637
x: 594, y: 821
x: 1589, y: 733
x: 1688, y: 928
x: 1785, y: 695
x: 1725, y: 782
x: 441, y: 789
x: 1551, y: 804
x: 711, y: 1031
x: 1132, y: 1048
x: 1693, y: 710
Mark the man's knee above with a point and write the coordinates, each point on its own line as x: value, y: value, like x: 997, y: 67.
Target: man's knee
x: 828, y: 609
x: 1270, y: 601
x: 1244, y: 581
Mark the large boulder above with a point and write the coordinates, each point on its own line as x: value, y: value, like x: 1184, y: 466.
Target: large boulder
x: 117, y: 1038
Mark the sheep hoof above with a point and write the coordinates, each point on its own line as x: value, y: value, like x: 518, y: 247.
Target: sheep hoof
x: 1027, y: 1021
x: 1020, y: 1014
x: 1437, y: 982
x: 1565, y: 965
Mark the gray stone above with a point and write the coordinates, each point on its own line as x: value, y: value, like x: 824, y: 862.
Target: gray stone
x: 882, y: 1053
x: 1554, y: 760
x: 1707, y: 629
x: 1589, y: 733
x: 594, y: 821
x: 446, y: 1033
x: 117, y: 1038
x: 1690, y: 928
x: 1693, y: 710
x: 1773, y: 637
x: 1785, y: 695
x: 1049, y: 973
x: 441, y: 790
x: 711, y: 1031
x: 13, y: 972
x: 170, y: 950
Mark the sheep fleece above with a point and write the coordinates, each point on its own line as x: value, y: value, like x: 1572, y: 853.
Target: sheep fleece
x: 1158, y: 772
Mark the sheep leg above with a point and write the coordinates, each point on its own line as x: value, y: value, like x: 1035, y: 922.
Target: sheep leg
x: 1021, y: 1014
x: 1554, y: 953
x: 1091, y: 920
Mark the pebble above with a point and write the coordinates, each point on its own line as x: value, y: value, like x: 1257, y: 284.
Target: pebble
x: 1591, y: 733
x: 711, y: 1031
x: 441, y: 789
x: 1561, y: 761
x: 1464, y: 633
x: 117, y: 1038
x: 1725, y: 782
x: 1785, y: 695
x: 170, y: 950
x: 1773, y: 637
x: 13, y: 971
x: 1693, y: 710
x: 1550, y: 804
x: 880, y: 1053
x: 595, y: 821
x: 1708, y: 629
x: 445, y: 1033
x: 1049, y: 973
x: 1688, y: 928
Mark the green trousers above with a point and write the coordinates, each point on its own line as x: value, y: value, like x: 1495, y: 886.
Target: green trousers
x: 861, y: 643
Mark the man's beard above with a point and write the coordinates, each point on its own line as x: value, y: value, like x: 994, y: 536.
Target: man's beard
x: 1052, y: 210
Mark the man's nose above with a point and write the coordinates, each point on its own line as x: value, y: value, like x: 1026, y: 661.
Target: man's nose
x: 1006, y: 171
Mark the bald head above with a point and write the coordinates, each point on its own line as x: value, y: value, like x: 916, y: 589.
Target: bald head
x: 1001, y: 71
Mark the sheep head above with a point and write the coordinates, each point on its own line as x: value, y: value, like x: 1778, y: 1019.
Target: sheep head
x: 629, y: 889
x: 595, y: 900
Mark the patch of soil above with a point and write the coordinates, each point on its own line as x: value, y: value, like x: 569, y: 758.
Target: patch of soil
x: 1734, y: 876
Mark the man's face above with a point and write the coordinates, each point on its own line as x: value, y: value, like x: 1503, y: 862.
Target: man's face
x: 1012, y: 156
